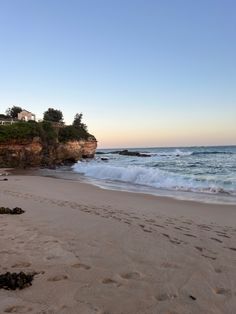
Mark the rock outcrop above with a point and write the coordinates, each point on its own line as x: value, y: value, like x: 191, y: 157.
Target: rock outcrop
x: 34, y: 153
x: 126, y: 152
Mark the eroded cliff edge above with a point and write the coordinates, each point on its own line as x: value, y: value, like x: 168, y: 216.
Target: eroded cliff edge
x: 32, y: 153
x: 30, y: 144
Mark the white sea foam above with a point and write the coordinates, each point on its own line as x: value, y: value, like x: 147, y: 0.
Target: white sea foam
x: 176, y: 153
x: 155, y: 178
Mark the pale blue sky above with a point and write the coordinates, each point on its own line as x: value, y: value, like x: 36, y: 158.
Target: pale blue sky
x: 143, y: 72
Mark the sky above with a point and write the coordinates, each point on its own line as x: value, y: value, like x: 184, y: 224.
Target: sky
x: 143, y: 72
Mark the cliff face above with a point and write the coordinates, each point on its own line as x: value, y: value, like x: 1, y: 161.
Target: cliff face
x: 34, y: 153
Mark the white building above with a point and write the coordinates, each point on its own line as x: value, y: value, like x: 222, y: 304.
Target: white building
x: 26, y: 116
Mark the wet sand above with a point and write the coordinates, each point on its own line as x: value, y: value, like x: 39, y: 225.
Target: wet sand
x: 100, y: 251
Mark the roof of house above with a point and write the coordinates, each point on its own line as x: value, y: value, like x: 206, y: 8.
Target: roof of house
x: 26, y: 111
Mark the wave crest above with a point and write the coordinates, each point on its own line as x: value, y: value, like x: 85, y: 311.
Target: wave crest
x: 155, y: 178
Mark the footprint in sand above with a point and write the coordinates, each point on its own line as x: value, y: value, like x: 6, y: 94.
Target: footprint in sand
x: 109, y: 281
x: 17, y: 309
x: 147, y: 230
x: 169, y: 265
x: 189, y: 235
x: 200, y: 249
x: 222, y: 234
x: 58, y: 278
x: 160, y: 226
x: 222, y: 291
x: 131, y: 275
x: 187, y: 222
x: 166, y: 235
x: 51, y: 257
x: 150, y: 220
x: 81, y: 266
x: 51, y: 241
x: 165, y: 296
x: 21, y: 264
x: 217, y: 240
x: 176, y: 241
x: 209, y: 257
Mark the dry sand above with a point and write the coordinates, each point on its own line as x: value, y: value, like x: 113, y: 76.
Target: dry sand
x: 99, y: 251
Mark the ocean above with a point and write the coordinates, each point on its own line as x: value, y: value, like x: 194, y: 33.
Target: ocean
x: 206, y: 174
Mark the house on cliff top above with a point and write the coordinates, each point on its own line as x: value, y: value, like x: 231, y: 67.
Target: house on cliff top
x: 26, y: 116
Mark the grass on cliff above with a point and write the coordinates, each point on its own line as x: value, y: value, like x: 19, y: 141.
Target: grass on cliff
x: 44, y: 130
x: 18, y: 131
x: 71, y: 132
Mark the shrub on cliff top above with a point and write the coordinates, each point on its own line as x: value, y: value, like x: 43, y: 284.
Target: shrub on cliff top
x: 13, y: 112
x: 78, y: 124
x: 53, y: 115
x: 44, y: 130
x: 18, y: 131
x: 27, y: 131
x: 71, y: 132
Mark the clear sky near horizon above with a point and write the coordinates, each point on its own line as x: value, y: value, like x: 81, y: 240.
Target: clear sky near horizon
x: 143, y: 72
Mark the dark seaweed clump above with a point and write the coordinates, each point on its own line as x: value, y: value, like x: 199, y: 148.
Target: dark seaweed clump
x: 13, y: 281
x: 14, y: 211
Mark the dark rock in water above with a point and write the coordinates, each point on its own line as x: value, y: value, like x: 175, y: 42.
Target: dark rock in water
x: 13, y: 281
x: 104, y: 158
x: 126, y: 152
x: 14, y: 211
x: 192, y: 297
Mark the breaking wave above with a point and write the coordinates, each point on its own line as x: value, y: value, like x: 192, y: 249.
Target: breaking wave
x: 150, y: 177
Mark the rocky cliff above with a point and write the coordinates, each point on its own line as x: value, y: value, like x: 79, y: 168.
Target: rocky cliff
x: 25, y: 153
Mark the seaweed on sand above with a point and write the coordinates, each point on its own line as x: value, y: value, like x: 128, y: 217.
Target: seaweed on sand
x: 14, y: 211
x: 13, y: 281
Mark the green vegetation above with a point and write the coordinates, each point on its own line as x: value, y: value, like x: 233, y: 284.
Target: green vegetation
x: 18, y: 131
x: 78, y: 130
x: 13, y: 112
x: 47, y: 131
x: 72, y: 133
x: 27, y: 131
x: 53, y: 115
x: 78, y: 124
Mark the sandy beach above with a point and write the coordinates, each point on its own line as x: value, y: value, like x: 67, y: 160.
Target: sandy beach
x: 100, y: 251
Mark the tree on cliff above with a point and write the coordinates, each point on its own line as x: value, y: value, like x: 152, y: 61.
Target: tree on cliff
x: 13, y: 112
x: 78, y: 124
x: 53, y: 115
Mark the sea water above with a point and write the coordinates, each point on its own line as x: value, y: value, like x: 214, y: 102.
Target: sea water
x: 199, y: 173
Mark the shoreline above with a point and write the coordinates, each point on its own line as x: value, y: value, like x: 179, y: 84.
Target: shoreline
x: 206, y: 198
x: 103, y: 251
